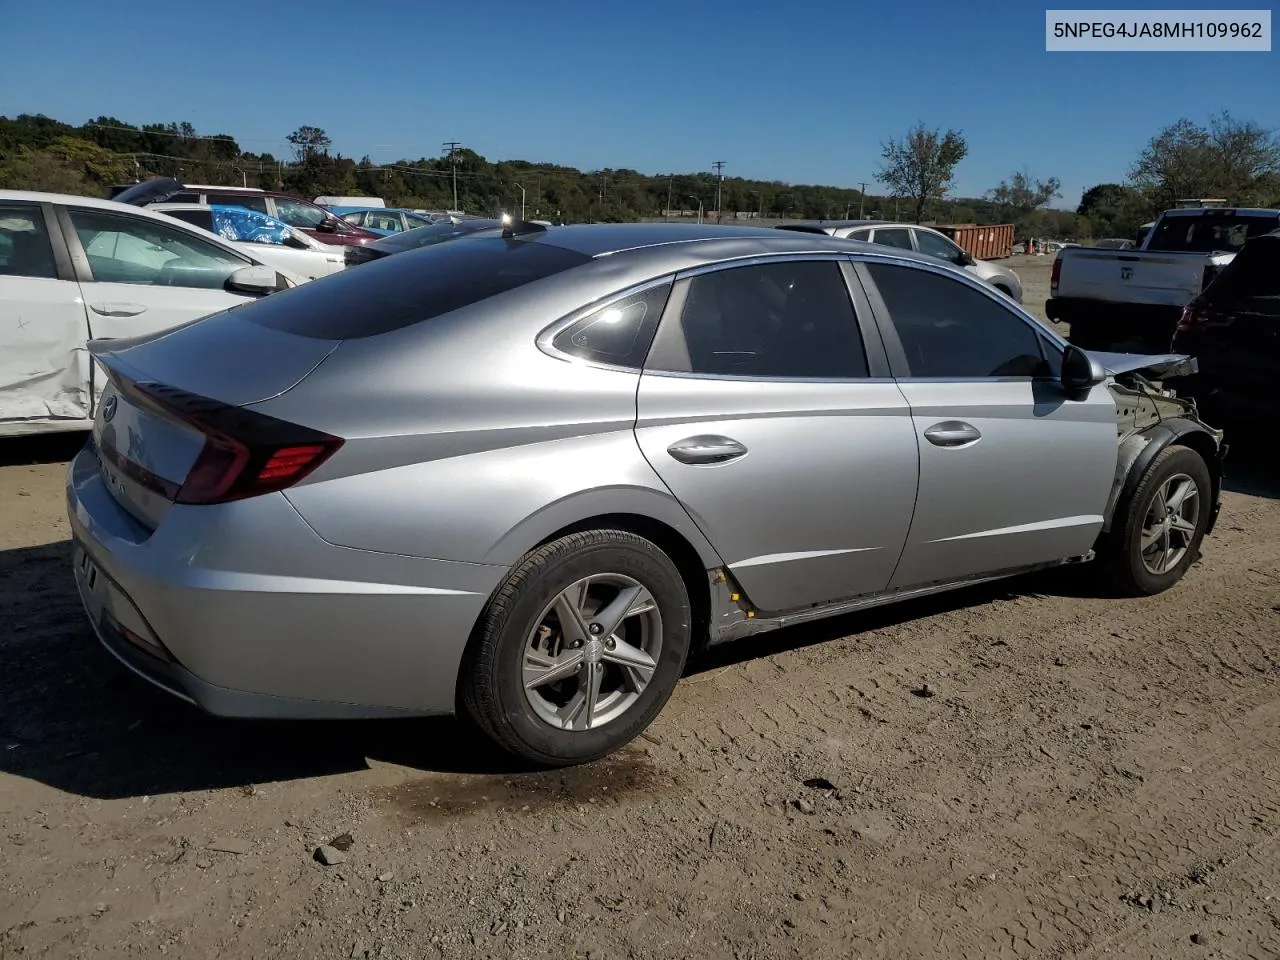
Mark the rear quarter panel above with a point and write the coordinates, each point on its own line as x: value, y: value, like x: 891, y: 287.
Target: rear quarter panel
x: 466, y: 442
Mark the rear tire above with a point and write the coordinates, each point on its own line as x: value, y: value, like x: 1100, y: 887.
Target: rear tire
x: 619, y: 676
x: 1156, y: 534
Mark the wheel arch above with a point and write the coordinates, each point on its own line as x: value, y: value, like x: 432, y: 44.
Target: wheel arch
x: 689, y: 561
x: 1179, y: 431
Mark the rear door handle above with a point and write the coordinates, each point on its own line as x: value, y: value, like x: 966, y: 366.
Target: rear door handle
x: 706, y: 449
x: 952, y: 433
x: 118, y: 309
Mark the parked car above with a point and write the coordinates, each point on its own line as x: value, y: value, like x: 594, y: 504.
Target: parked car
x: 921, y: 239
x: 351, y: 203
x: 74, y: 269
x: 1132, y: 299
x: 273, y: 240
x: 385, y: 222
x: 419, y: 237
x: 523, y: 475
x: 305, y: 216
x: 1234, y: 329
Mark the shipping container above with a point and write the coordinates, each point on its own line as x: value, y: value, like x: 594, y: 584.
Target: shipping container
x: 993, y: 242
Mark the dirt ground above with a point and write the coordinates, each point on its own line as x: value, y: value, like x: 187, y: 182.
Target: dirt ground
x: 1092, y: 778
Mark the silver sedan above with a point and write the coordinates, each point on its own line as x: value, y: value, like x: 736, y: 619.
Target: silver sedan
x: 524, y: 474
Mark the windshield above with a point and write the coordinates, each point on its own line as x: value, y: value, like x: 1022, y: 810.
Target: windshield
x: 1209, y: 232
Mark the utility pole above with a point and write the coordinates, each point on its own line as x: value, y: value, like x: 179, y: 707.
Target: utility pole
x: 451, y: 146
x: 521, y: 199
x: 719, y: 165
x: 670, y: 184
x: 862, y: 197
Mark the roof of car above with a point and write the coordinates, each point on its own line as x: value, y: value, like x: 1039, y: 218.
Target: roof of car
x: 838, y: 224
x: 704, y: 242
x: 31, y: 196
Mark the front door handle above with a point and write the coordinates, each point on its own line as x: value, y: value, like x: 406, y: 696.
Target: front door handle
x: 118, y: 309
x: 706, y: 449
x: 952, y: 433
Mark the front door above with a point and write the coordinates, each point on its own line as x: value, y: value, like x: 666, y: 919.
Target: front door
x: 757, y: 409
x: 1012, y: 473
x: 44, y: 367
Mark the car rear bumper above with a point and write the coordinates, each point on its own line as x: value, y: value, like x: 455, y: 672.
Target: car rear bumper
x: 244, y: 611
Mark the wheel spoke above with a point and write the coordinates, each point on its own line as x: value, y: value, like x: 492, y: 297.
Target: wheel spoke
x: 568, y: 607
x: 539, y: 670
x: 1184, y: 527
x: 579, y: 712
x: 1151, y: 536
x: 1185, y: 491
x: 1166, y: 551
x: 637, y: 666
x: 629, y: 602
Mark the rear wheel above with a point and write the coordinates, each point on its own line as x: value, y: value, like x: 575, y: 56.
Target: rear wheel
x: 579, y: 648
x: 1157, y: 535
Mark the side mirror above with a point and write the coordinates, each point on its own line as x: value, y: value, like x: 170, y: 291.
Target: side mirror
x: 963, y: 259
x: 1080, y: 372
x: 327, y: 225
x: 257, y: 280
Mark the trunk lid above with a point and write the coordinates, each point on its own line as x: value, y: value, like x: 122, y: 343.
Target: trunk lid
x: 146, y: 452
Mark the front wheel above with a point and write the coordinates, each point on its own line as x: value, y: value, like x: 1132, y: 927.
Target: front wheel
x: 1157, y: 536
x: 578, y: 649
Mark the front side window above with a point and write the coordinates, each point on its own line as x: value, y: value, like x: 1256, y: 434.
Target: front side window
x: 619, y: 333
x: 951, y: 331
x: 25, y: 250
x: 296, y: 213
x: 123, y: 249
x: 936, y: 246
x: 892, y: 237
x: 791, y: 319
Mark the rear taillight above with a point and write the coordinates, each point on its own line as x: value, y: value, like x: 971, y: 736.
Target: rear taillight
x: 1057, y: 272
x: 245, y: 453
x: 1198, y: 316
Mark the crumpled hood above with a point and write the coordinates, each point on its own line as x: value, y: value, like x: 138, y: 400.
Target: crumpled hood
x: 1152, y: 365
x: 155, y: 190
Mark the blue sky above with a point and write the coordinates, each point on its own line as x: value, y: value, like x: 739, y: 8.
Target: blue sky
x: 802, y: 92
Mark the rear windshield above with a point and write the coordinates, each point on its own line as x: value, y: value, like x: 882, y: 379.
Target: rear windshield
x: 407, y: 288
x: 1208, y: 232
x: 434, y: 233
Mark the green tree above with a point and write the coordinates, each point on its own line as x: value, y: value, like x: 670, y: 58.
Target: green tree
x: 1020, y: 194
x: 1237, y: 160
x: 921, y: 166
x: 309, y: 142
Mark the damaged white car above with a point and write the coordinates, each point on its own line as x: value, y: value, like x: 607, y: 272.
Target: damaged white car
x: 74, y: 269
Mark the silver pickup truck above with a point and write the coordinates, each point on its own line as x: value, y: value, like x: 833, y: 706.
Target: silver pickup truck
x: 1131, y: 299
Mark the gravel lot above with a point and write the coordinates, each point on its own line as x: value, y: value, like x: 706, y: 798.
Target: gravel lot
x: 1093, y: 777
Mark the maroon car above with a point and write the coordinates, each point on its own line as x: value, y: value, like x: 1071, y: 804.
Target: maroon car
x: 305, y: 216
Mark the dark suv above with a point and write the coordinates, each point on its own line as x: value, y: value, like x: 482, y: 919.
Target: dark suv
x: 302, y: 214
x: 1233, y: 330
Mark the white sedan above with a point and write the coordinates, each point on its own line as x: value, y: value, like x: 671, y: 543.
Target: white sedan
x: 282, y: 246
x: 74, y: 269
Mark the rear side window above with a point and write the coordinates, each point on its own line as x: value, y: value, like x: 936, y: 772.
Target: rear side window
x: 619, y: 333
x: 407, y: 288
x: 790, y: 320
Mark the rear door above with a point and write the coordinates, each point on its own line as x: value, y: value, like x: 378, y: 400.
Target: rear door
x: 44, y: 366
x: 140, y: 275
x: 766, y: 408
x: 1012, y: 473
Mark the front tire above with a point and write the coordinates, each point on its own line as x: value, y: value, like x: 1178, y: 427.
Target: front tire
x: 579, y: 648
x: 1156, y: 538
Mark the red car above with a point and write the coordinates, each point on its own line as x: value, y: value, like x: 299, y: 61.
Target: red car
x: 302, y: 214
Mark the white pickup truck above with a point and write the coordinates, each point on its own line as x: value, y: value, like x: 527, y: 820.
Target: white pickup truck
x: 1131, y: 299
